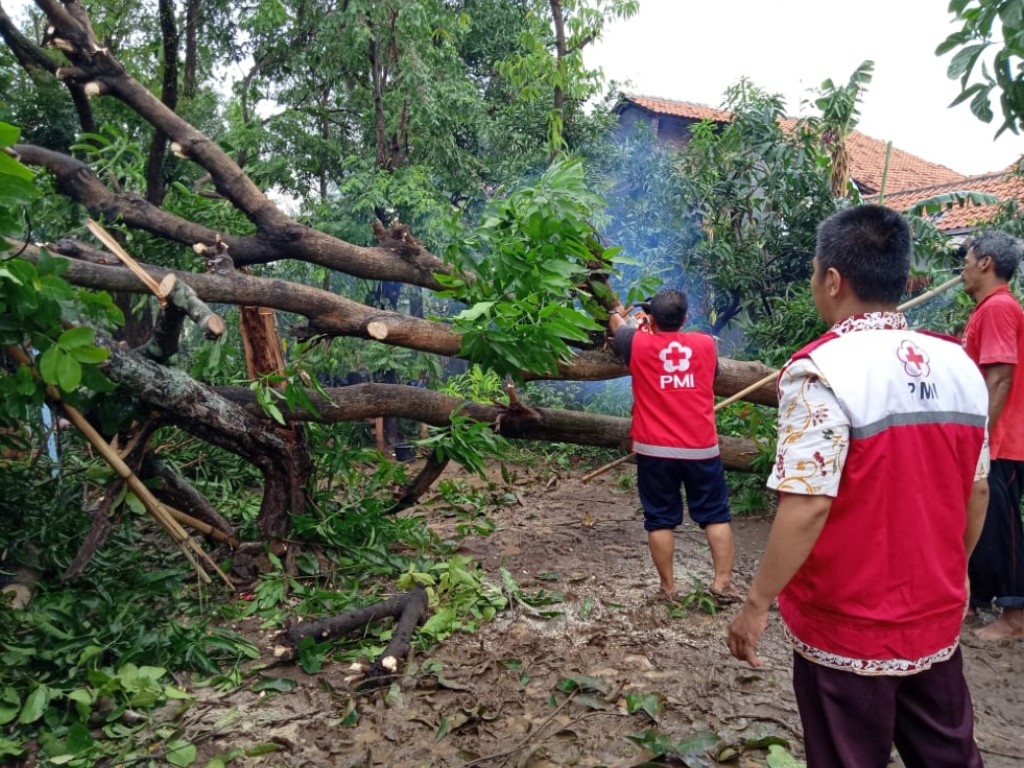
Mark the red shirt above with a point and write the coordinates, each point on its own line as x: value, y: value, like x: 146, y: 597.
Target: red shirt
x: 673, y: 394
x: 995, y: 334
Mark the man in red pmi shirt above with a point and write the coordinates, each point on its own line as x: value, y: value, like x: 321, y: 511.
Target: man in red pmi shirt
x: 674, y: 436
x: 994, y: 339
x: 881, y: 465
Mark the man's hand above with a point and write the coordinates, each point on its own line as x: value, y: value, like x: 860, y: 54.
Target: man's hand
x: 744, y: 632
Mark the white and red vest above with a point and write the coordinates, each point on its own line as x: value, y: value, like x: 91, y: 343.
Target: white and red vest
x: 883, y: 591
x: 673, y: 395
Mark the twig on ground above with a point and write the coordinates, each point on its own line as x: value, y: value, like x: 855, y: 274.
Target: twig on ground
x: 532, y: 737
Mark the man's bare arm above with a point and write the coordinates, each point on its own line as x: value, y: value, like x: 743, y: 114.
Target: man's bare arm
x: 977, y: 507
x: 798, y: 524
x: 998, y: 379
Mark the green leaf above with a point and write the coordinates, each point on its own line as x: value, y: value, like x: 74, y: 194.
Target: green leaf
x: 180, y: 753
x: 35, y: 705
x: 48, y: 364
x: 648, y: 702
x: 17, y: 191
x: 276, y: 684
x: 473, y: 313
x: 83, y: 702
x: 69, y: 373
x: 10, y: 702
x: 8, y: 134
x: 779, y: 757
x: 90, y: 355
x: 80, y: 336
x: 12, y: 168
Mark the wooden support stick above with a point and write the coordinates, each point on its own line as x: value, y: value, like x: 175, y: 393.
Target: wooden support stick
x: 771, y: 376
x: 115, y: 247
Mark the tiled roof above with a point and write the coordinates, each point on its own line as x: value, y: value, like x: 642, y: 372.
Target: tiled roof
x: 867, y: 154
x: 906, y: 171
x: 965, y: 217
x: 679, y: 108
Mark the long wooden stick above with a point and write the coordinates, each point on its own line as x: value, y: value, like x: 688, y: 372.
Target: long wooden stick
x: 771, y: 376
x: 115, y: 247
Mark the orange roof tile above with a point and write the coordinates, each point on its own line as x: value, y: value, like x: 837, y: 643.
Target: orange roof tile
x: 906, y: 171
x: 960, y: 218
x: 867, y: 154
x: 679, y: 108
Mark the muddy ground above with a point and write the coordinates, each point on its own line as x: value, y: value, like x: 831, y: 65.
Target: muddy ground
x: 492, y: 699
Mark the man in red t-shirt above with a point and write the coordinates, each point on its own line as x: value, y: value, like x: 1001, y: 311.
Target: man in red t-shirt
x: 994, y: 339
x: 675, y: 438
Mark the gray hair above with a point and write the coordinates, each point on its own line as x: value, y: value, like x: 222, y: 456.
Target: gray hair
x: 1004, y: 250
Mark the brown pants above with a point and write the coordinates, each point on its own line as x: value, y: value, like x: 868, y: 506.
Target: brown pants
x: 852, y: 721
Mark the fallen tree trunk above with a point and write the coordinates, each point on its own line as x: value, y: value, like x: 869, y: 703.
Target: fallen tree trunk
x: 365, y: 401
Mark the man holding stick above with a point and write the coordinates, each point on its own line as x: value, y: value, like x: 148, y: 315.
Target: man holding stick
x: 881, y: 464
x: 994, y: 339
x: 675, y: 437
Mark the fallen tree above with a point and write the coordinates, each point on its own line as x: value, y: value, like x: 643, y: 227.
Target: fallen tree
x: 232, y: 418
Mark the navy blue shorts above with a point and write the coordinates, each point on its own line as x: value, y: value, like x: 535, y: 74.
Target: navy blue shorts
x: 659, y: 481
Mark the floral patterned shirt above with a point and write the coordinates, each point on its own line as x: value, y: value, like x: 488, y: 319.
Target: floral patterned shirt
x: 814, y: 433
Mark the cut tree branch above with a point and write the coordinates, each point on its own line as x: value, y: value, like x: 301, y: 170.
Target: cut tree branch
x: 292, y: 241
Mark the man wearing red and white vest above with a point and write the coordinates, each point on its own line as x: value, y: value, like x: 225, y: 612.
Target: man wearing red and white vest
x: 994, y: 339
x: 881, y: 465
x: 675, y: 438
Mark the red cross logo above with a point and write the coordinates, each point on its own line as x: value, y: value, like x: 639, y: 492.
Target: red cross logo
x: 676, y: 357
x: 914, y: 359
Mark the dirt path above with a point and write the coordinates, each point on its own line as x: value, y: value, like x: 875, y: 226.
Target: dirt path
x: 495, y: 696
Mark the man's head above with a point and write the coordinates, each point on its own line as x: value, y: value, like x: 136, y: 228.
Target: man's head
x: 667, y: 309
x: 861, y: 262
x: 991, y: 260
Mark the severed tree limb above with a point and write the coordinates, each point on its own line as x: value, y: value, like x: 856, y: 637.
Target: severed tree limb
x: 201, y: 412
x: 409, y: 608
x: 334, y: 315
x: 364, y: 401
x: 102, y: 521
x: 177, y: 492
x: 185, y: 543
x: 286, y: 239
x: 182, y: 302
x: 410, y: 493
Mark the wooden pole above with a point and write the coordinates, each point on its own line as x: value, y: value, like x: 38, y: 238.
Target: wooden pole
x: 771, y: 376
x: 115, y: 247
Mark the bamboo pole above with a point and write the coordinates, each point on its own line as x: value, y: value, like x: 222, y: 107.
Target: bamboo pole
x: 771, y: 376
x: 115, y: 247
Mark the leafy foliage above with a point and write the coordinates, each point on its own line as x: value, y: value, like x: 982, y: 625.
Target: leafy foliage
x: 988, y: 58
x: 520, y: 273
x: 761, y: 191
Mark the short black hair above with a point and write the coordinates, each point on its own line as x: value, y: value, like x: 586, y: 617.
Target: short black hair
x: 1004, y: 250
x: 668, y: 308
x: 870, y: 246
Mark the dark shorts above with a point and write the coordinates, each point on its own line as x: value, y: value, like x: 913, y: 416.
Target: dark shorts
x: 852, y: 721
x: 997, y: 564
x: 659, y: 481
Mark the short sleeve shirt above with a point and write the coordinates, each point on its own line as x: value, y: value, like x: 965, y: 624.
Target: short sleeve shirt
x: 995, y: 335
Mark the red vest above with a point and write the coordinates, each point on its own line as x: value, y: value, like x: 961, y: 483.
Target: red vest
x: 673, y: 396
x: 883, y: 588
